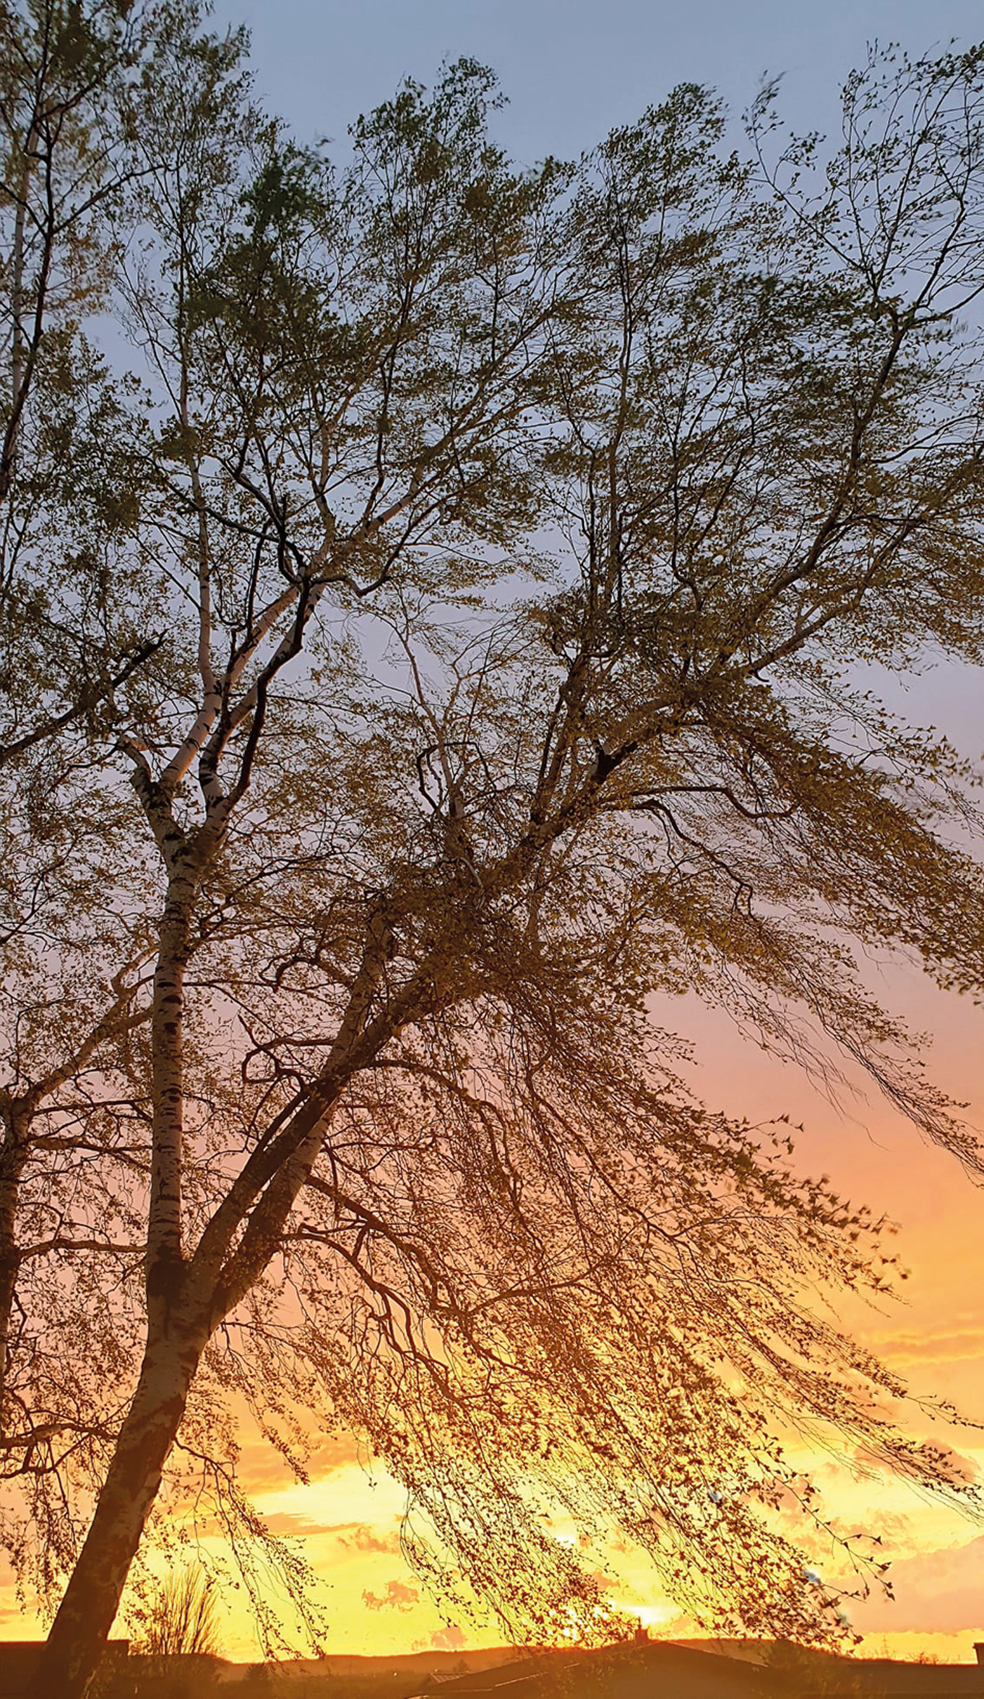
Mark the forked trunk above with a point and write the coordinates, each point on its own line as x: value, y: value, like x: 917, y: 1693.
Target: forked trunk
x: 85, y: 1616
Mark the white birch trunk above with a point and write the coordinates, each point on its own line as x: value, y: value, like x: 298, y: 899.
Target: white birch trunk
x: 85, y: 1616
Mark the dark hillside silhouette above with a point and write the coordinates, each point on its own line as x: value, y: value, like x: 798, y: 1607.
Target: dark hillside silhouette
x: 651, y: 1670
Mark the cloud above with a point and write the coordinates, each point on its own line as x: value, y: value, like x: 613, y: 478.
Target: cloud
x: 935, y: 1592
x: 450, y: 1639
x: 362, y: 1537
x: 398, y: 1596
x: 13, y: 1614
x: 336, y: 1452
x: 949, y: 1464
x: 282, y: 1522
x: 263, y: 1468
x: 938, y: 1345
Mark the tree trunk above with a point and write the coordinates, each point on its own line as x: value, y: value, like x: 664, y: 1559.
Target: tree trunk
x: 13, y: 1160
x: 85, y: 1616
x: 185, y: 1301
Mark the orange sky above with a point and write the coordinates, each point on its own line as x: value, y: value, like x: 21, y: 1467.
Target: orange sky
x: 349, y: 1518
x: 933, y: 1335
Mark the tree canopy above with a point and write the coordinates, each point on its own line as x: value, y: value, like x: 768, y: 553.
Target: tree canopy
x: 443, y: 606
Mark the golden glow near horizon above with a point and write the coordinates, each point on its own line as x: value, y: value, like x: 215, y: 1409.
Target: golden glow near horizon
x: 349, y: 1516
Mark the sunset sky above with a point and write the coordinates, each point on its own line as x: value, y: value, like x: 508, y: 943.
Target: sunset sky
x: 934, y: 1335
x: 571, y: 70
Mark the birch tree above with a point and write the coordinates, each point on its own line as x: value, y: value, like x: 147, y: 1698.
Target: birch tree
x: 77, y: 630
x: 508, y: 533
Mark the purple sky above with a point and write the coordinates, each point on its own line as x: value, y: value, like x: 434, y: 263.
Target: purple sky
x: 573, y: 68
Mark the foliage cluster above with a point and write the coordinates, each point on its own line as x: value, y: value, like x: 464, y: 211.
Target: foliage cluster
x: 432, y: 600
